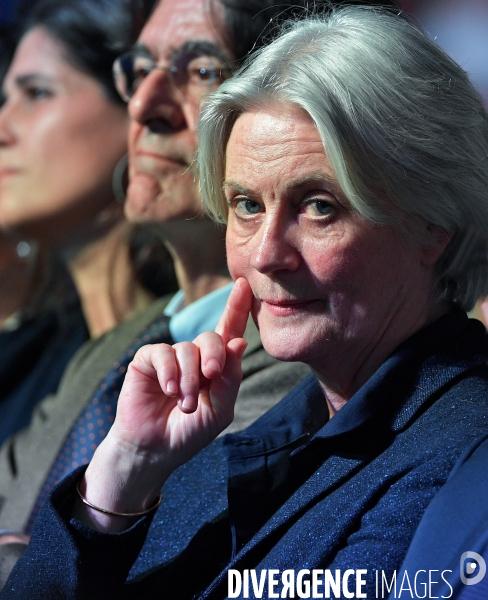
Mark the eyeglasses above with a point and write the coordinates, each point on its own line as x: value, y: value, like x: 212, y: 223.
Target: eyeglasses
x: 191, y: 76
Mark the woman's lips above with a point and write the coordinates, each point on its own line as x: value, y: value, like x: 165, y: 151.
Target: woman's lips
x: 8, y: 172
x: 284, y: 308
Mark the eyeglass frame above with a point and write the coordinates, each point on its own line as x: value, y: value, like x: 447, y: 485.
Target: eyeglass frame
x: 189, y: 51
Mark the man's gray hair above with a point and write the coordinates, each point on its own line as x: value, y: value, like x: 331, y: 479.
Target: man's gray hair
x: 402, y: 126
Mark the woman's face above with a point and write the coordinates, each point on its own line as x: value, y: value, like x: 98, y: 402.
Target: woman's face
x: 329, y: 286
x: 60, y: 139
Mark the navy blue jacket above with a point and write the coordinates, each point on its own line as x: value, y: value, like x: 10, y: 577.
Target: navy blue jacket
x: 292, y: 491
x: 456, y: 522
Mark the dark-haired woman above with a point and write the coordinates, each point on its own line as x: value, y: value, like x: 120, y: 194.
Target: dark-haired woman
x: 41, y: 322
x: 63, y: 132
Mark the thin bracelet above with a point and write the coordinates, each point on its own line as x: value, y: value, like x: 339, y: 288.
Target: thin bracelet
x: 118, y: 514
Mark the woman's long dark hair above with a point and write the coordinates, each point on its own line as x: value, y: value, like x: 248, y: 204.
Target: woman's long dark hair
x: 94, y: 33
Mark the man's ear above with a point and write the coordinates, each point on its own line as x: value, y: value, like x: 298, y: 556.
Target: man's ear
x: 436, y: 240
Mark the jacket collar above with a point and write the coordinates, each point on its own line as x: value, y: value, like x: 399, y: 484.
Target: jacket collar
x: 436, y: 354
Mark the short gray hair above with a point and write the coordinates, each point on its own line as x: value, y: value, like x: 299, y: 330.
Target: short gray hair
x: 398, y: 118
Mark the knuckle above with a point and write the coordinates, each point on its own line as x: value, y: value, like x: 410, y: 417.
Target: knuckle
x: 151, y: 348
x: 190, y: 379
x: 185, y: 348
x: 158, y: 355
x: 167, y: 364
x: 140, y: 356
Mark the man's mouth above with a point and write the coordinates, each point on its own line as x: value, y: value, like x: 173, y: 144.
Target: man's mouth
x: 145, y: 154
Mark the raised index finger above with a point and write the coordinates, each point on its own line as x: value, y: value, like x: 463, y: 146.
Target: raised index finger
x: 234, y: 318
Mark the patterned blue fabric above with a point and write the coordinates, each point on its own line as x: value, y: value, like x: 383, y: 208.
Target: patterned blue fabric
x: 94, y: 422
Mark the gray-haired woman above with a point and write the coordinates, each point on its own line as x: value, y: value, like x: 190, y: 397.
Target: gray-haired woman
x: 349, y: 160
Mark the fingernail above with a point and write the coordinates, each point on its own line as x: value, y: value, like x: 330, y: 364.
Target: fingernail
x: 172, y: 387
x: 188, y: 403
x: 213, y: 364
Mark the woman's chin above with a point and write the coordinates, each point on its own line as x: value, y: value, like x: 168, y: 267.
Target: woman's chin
x: 285, y: 346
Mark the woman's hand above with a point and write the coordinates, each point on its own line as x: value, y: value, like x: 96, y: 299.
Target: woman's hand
x: 174, y: 401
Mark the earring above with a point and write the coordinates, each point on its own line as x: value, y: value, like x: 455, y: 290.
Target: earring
x: 120, y: 179
x: 25, y: 249
x: 28, y: 252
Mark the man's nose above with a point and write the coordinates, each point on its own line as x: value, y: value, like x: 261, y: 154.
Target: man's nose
x: 275, y: 248
x: 156, y: 101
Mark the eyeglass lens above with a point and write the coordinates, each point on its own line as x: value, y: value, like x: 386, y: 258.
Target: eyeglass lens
x: 190, y: 75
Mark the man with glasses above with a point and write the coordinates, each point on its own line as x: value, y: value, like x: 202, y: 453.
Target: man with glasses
x: 185, y: 50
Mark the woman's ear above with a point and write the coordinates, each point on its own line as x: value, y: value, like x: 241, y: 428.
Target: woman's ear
x: 436, y: 240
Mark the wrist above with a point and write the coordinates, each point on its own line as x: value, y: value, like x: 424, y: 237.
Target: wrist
x: 100, y: 509
x: 127, y: 477
x: 120, y: 480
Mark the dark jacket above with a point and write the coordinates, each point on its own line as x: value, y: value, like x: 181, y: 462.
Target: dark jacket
x: 33, y: 358
x: 455, y: 523
x: 292, y: 491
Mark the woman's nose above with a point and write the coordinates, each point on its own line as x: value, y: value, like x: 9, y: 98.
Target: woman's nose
x: 274, y: 246
x: 7, y: 136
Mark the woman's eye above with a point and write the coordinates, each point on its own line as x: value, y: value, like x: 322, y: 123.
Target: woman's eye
x: 38, y: 93
x: 248, y: 207
x: 319, y: 207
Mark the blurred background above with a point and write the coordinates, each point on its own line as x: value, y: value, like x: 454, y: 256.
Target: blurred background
x: 459, y: 26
